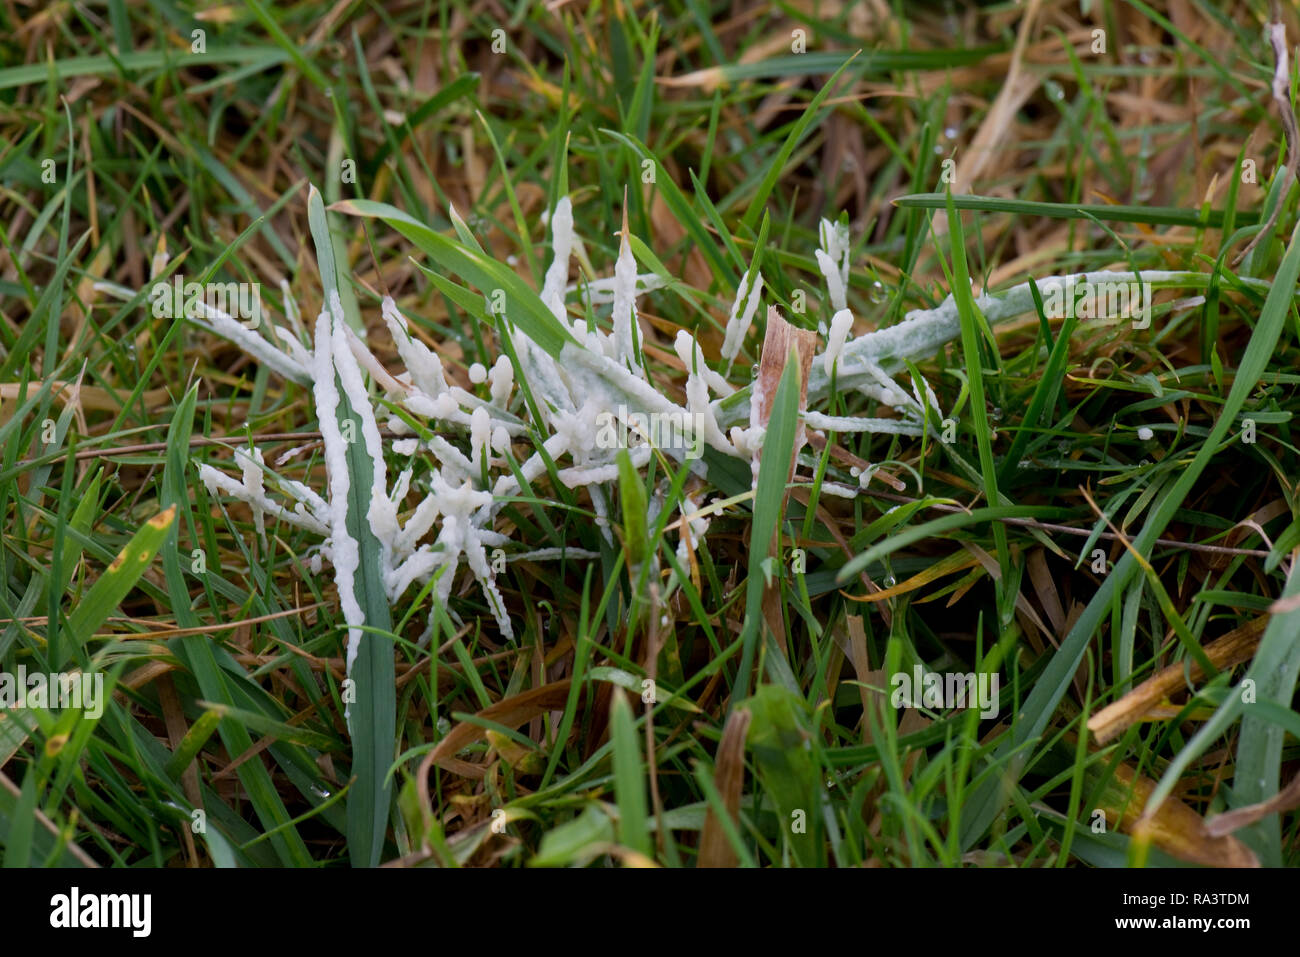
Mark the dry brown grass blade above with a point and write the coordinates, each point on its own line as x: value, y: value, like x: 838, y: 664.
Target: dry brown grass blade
x: 997, y: 125
x: 510, y: 712
x: 729, y: 776
x: 1045, y: 587
x: 1284, y: 800
x: 86, y: 398
x: 948, y: 565
x: 1235, y: 647
x: 778, y: 340
x: 1174, y: 828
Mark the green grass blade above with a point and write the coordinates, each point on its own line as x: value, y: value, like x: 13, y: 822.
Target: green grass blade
x: 769, y: 494
x: 523, y: 306
x: 118, y: 579
x: 373, y: 716
x: 1149, y: 215
x: 629, y: 778
x: 1051, y: 686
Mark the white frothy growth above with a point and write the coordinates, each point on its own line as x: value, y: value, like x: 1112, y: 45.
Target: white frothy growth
x: 294, y: 316
x: 344, y: 551
x: 253, y: 344
x: 251, y: 467
x: 833, y: 261
x: 215, y: 480
x: 382, y: 514
x: 160, y: 259
x: 841, y: 325
x: 444, y: 407
x: 742, y: 315
x: 692, y: 356
x: 625, y: 328
x: 461, y: 535
x: 366, y: 358
x: 562, y: 239
x: 502, y: 379
x: 698, y: 384
x: 296, y: 351
x: 848, y: 423
x: 551, y: 554
x: 600, y: 292
x: 425, y: 366
x: 693, y: 529
x: 456, y: 504
x: 480, y: 435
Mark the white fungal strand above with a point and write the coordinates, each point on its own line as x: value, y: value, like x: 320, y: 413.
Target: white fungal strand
x: 501, y: 381
x: 344, y: 551
x: 215, y: 480
x: 440, y: 513
x: 562, y: 239
x: 251, y: 467
x: 624, y: 315
x: 253, y: 344
x: 742, y: 315
x: 480, y: 437
x: 841, y: 325
x: 833, y: 261
x: 692, y: 356
x: 424, y: 366
x: 381, y: 515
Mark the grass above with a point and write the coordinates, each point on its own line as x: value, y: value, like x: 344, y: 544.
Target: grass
x: 663, y: 700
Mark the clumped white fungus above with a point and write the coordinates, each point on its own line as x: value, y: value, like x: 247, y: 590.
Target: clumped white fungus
x: 459, y: 470
x: 743, y: 310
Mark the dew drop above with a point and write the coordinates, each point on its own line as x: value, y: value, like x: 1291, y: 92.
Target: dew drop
x: 878, y: 293
x: 1054, y: 90
x: 950, y: 132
